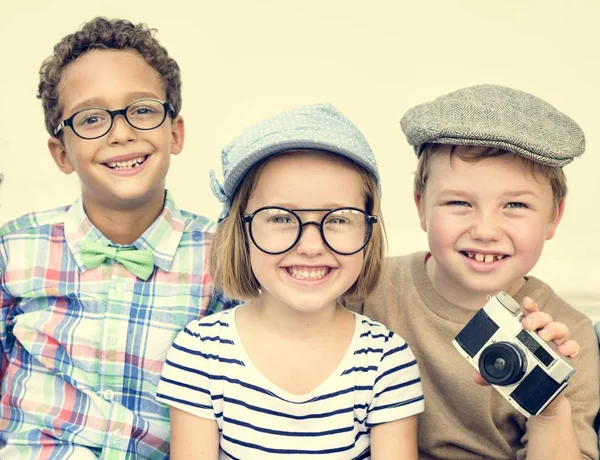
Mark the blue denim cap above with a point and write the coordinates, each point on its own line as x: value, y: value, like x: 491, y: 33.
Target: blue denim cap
x: 314, y: 127
x: 496, y: 116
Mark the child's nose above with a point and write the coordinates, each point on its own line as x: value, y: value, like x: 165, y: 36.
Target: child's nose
x: 121, y: 131
x: 485, y: 227
x: 311, y: 243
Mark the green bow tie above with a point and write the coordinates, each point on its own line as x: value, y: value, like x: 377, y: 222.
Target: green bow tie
x: 140, y: 262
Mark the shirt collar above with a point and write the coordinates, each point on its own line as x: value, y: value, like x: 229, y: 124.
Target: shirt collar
x: 162, y: 237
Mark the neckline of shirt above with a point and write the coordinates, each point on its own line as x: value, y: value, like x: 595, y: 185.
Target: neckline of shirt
x: 329, y: 383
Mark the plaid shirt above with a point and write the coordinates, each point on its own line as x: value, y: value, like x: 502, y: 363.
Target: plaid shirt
x: 82, y: 350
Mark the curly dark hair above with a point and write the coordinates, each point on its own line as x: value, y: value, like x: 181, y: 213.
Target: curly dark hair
x: 103, y: 33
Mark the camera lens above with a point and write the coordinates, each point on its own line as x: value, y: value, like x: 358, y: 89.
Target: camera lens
x: 502, y: 363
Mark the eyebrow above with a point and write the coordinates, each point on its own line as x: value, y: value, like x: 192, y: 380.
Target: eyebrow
x: 325, y: 206
x: 454, y: 192
x: 521, y: 193
x: 511, y: 193
x: 100, y: 102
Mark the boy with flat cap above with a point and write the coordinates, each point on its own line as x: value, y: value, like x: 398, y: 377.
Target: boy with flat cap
x: 489, y: 190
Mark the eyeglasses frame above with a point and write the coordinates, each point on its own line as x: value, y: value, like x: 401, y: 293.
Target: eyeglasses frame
x: 247, y: 218
x: 168, y: 109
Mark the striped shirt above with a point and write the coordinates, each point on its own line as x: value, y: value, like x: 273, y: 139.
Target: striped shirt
x: 82, y: 350
x: 209, y: 374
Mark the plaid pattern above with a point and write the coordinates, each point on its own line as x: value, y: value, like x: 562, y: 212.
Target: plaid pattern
x: 82, y: 350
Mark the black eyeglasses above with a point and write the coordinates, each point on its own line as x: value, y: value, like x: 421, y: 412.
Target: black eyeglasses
x: 95, y: 122
x: 275, y: 230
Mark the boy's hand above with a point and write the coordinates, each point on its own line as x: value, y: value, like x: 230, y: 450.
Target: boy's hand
x: 549, y: 331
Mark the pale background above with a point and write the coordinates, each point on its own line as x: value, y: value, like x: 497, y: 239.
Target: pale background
x: 245, y: 60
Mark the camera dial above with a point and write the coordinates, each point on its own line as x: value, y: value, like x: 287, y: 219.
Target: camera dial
x: 502, y: 363
x: 509, y: 303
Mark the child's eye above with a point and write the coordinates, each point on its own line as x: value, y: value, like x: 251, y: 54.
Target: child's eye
x: 282, y: 220
x: 89, y: 120
x: 140, y: 111
x: 336, y: 221
x: 516, y: 205
x: 457, y: 203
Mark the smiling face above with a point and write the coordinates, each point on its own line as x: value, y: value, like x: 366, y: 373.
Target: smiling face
x: 309, y: 276
x: 486, y: 222
x: 126, y: 168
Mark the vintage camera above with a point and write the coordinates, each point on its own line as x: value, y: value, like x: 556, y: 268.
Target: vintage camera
x: 527, y: 371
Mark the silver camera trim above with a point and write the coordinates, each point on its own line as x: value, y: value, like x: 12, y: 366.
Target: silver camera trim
x: 506, y: 313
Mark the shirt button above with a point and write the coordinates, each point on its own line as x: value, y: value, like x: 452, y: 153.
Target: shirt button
x: 112, y: 340
x: 121, y: 288
x: 108, y: 395
x: 117, y: 435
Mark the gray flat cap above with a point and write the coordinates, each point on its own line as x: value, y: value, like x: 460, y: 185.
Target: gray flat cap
x: 496, y: 116
x: 317, y: 127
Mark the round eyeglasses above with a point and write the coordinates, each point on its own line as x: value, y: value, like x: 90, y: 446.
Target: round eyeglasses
x: 95, y: 122
x: 275, y: 230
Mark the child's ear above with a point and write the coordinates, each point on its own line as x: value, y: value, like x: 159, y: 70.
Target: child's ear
x: 59, y: 154
x: 419, y: 201
x: 560, y: 209
x: 177, y: 135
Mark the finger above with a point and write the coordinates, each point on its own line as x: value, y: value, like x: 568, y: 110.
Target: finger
x: 529, y: 305
x: 479, y: 380
x: 571, y: 349
x: 554, y: 331
x: 536, y: 320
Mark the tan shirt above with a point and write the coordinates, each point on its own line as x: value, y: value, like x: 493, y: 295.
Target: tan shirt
x: 463, y: 420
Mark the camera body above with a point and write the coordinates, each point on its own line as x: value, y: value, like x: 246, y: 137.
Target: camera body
x: 525, y: 369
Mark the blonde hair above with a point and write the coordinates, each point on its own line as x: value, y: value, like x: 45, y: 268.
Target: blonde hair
x: 469, y: 153
x: 230, y: 266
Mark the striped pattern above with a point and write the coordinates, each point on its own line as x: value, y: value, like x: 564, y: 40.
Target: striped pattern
x: 82, y: 350
x: 208, y: 374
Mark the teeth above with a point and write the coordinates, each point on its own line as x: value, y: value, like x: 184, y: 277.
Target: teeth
x: 308, y: 274
x: 487, y: 258
x: 126, y: 164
